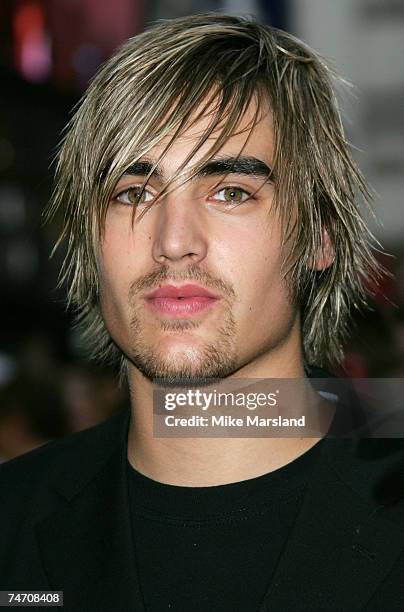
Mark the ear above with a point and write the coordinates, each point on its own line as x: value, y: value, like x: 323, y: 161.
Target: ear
x: 325, y: 255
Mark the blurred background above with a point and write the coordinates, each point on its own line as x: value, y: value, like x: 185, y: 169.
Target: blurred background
x: 49, y: 49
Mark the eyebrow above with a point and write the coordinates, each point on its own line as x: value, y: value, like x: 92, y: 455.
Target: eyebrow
x: 249, y: 166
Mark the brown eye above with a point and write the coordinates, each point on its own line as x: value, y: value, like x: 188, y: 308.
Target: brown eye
x: 232, y: 195
x: 134, y: 196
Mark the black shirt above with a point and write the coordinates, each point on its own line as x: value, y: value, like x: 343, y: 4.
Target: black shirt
x: 214, y: 548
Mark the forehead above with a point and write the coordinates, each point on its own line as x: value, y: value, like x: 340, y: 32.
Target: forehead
x: 253, y: 136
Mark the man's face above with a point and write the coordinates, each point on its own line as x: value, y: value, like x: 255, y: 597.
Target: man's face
x: 194, y: 288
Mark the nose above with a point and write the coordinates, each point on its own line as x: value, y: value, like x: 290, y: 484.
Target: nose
x: 180, y: 234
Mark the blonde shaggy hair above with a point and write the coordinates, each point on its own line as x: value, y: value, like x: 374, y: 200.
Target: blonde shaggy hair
x: 185, y: 64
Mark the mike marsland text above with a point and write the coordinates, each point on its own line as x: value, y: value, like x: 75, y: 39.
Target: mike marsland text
x: 230, y: 421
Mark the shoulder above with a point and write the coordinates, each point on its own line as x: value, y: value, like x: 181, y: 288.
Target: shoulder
x: 36, y: 484
x: 373, y: 467
x: 33, y: 470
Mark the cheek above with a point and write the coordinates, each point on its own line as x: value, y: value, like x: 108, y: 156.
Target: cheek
x: 264, y: 296
x: 264, y: 285
x: 115, y: 276
x: 115, y: 265
x: 118, y: 236
x: 118, y: 262
x: 113, y: 268
x: 257, y: 260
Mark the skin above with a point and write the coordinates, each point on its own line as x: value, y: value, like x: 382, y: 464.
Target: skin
x: 193, y: 235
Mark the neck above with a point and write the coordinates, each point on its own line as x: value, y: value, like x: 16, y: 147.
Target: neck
x: 202, y: 461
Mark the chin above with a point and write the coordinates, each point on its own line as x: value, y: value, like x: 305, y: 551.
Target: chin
x: 185, y: 356
x: 181, y: 367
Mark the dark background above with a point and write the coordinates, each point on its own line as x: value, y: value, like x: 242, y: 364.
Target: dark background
x: 48, y: 52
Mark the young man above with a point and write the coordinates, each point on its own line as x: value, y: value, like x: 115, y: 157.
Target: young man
x: 209, y: 211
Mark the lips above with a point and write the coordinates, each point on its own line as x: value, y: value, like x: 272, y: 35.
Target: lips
x: 182, y: 301
x: 185, y: 291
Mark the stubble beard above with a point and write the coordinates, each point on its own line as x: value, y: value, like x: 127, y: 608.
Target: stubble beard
x: 215, y: 360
